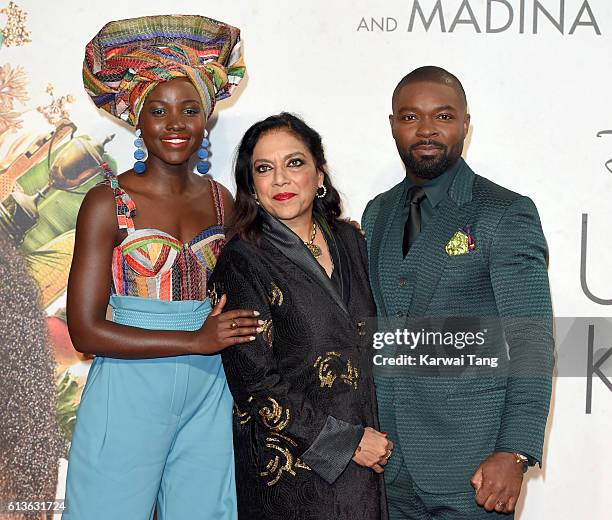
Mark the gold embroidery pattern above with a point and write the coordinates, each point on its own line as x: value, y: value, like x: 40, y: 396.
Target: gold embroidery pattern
x: 331, y: 367
x: 282, y: 461
x: 275, y: 417
x: 457, y: 245
x: 213, y: 296
x: 243, y: 417
x: 276, y: 298
x: 300, y: 464
x: 351, y: 376
x: 326, y: 374
x: 268, y: 332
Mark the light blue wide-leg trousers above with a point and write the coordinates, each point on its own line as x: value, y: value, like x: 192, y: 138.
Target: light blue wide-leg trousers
x: 153, y: 433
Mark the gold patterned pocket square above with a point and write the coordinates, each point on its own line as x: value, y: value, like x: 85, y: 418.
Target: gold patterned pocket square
x: 461, y: 243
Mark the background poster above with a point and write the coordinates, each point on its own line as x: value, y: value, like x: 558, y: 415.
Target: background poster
x: 538, y: 80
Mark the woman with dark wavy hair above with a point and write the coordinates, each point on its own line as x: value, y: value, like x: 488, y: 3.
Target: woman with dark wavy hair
x: 305, y: 427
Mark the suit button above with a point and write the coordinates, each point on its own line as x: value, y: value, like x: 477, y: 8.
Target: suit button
x: 402, y: 282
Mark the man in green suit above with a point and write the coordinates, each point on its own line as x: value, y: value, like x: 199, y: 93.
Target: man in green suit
x: 447, y: 243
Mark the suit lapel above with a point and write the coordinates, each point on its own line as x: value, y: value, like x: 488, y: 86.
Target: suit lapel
x: 291, y: 246
x: 374, y: 246
x: 427, y: 257
x: 385, y: 246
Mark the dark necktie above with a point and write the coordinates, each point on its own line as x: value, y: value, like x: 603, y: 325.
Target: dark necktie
x: 416, y: 194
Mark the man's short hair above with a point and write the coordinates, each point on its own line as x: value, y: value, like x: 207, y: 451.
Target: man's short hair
x: 433, y: 74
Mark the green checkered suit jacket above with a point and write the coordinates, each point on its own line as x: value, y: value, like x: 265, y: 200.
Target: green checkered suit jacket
x: 444, y: 426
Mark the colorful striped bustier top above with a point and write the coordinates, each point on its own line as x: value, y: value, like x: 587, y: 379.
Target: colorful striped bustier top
x: 153, y: 264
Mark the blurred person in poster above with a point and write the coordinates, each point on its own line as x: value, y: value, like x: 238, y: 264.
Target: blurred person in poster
x: 443, y: 243
x: 31, y: 442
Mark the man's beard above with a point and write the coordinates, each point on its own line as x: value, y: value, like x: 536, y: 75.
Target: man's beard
x: 427, y: 168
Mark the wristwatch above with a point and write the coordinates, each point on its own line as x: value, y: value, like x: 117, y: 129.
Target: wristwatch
x: 521, y: 459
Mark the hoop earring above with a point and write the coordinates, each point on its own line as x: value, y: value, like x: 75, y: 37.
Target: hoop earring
x: 320, y: 195
x: 203, y: 165
x: 139, y: 154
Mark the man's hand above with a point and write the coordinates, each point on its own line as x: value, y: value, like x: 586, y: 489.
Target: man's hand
x: 355, y: 225
x: 497, y: 481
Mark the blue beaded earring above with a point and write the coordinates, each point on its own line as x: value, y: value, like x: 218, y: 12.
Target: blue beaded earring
x: 139, y: 154
x: 203, y: 165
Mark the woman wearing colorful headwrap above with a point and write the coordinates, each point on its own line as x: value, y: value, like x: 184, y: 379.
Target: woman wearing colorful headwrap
x: 154, y: 430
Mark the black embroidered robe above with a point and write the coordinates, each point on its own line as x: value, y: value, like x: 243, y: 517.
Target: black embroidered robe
x: 303, y: 389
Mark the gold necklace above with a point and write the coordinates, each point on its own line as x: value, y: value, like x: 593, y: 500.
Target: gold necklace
x: 312, y: 247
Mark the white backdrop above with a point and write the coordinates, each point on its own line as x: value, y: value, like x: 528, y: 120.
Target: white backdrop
x: 537, y: 97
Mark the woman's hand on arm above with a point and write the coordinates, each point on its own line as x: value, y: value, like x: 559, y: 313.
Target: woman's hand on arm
x: 373, y: 450
x: 224, y: 329
x: 89, y: 290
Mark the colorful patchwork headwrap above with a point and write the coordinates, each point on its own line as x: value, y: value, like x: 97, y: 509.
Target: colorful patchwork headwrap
x: 129, y: 58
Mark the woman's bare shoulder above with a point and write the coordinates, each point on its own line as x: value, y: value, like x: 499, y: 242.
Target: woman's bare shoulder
x: 98, y: 210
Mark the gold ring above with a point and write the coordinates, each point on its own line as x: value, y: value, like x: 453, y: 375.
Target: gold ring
x: 233, y: 325
x: 388, y: 455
